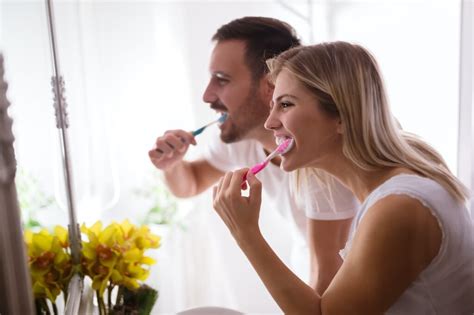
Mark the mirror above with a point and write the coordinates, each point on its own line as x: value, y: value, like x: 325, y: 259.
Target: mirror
x: 15, y: 284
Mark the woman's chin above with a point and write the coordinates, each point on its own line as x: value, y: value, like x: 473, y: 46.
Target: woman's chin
x: 287, y: 167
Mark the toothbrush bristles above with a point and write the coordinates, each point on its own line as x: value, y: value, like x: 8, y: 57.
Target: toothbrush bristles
x: 222, y: 118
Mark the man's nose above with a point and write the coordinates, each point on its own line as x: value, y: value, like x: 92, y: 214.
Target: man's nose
x: 209, y: 96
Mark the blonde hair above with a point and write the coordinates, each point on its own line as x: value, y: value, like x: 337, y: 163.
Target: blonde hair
x: 346, y: 80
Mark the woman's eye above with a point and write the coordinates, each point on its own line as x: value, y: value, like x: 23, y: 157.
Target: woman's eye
x: 285, y: 104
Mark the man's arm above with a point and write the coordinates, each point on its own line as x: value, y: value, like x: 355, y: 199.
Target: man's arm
x: 326, y: 239
x: 186, y: 179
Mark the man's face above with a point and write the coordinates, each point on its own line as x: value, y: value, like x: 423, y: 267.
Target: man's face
x: 232, y: 90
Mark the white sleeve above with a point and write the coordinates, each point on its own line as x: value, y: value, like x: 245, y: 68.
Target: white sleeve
x: 218, y: 153
x: 328, y: 199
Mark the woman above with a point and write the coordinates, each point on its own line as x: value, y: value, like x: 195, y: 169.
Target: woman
x: 411, y: 249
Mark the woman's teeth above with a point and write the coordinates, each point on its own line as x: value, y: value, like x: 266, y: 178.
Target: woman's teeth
x: 279, y: 140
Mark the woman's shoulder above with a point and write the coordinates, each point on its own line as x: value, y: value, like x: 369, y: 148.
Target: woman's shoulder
x: 398, y: 208
x: 396, y: 240
x: 403, y: 202
x: 401, y: 217
x: 411, y: 187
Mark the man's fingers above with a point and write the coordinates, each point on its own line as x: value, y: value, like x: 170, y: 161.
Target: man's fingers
x: 155, y: 154
x: 185, y: 136
x: 176, y: 143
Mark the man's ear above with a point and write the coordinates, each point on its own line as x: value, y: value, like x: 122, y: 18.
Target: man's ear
x: 267, y: 87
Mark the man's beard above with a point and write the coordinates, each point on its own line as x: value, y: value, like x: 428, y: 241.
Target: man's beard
x: 251, y: 115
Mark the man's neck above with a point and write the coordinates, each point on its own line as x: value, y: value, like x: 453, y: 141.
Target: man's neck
x: 267, y: 140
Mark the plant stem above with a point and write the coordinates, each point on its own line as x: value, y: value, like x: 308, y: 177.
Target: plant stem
x: 65, y: 295
x: 109, y: 296
x: 39, y: 307
x: 45, y: 306
x: 104, y: 308
x: 118, y: 300
x: 99, y: 300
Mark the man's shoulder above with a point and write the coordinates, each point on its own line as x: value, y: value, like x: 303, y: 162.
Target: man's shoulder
x: 243, y: 146
x: 237, y: 154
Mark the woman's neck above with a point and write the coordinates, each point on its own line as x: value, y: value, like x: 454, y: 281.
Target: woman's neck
x: 362, y: 182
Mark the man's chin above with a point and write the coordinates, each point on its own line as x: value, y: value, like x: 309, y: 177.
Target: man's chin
x: 230, y: 137
x: 227, y: 139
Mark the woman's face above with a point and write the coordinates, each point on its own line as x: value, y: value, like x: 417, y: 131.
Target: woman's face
x: 296, y: 113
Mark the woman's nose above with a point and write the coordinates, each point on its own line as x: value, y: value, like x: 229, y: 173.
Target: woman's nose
x: 272, y: 121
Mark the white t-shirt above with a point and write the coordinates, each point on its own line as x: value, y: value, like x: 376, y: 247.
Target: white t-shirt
x: 276, y: 196
x: 446, y: 286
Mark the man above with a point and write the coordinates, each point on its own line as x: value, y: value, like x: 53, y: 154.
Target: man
x: 239, y: 88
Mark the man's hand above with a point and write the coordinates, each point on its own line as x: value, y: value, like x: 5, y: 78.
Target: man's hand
x: 170, y: 148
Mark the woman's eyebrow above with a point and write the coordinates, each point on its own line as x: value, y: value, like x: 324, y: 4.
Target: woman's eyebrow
x: 285, y: 95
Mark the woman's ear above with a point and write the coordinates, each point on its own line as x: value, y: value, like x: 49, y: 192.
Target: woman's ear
x: 339, y: 127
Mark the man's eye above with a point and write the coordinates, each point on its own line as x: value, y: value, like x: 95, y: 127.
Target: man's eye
x: 222, y: 81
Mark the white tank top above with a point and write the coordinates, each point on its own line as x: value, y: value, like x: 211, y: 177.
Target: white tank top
x: 446, y: 286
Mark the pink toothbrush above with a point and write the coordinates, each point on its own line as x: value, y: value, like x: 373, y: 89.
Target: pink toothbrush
x: 282, y: 148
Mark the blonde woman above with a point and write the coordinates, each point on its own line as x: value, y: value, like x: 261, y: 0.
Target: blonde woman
x: 411, y: 249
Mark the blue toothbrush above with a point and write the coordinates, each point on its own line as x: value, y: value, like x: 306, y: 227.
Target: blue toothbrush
x: 220, y: 120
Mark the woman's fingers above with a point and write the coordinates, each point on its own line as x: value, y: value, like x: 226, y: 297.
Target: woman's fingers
x: 226, y: 183
x: 214, y: 192
x: 220, y: 200
x: 219, y: 187
x: 255, y: 194
x: 226, y: 192
x: 239, y: 213
x: 236, y: 184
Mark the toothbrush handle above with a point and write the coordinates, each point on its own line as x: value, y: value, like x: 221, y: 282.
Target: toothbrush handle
x: 198, y: 131
x: 257, y: 168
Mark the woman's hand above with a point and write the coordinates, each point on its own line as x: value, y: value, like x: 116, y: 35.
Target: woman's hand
x: 238, y: 212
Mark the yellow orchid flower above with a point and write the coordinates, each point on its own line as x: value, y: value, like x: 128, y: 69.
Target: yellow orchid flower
x: 115, y: 255
x: 49, y: 262
x: 62, y: 235
x: 100, y: 254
